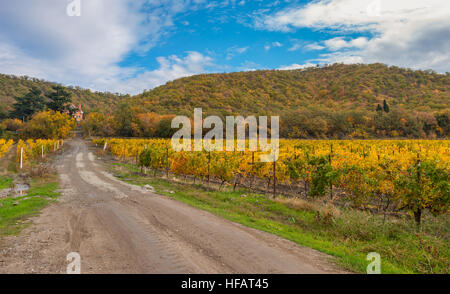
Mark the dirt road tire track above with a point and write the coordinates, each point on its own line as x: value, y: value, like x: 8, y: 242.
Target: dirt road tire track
x: 119, y: 228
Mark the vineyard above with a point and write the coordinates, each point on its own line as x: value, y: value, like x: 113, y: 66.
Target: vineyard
x: 383, y: 176
x: 33, y: 149
x: 5, y: 146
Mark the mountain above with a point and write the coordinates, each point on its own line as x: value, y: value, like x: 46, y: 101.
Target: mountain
x: 332, y: 101
x: 334, y: 88
x: 12, y: 86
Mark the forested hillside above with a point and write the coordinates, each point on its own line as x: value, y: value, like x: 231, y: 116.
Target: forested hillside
x: 12, y: 86
x: 336, y: 100
x: 335, y: 87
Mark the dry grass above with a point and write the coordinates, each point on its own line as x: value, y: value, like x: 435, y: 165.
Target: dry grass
x: 41, y: 171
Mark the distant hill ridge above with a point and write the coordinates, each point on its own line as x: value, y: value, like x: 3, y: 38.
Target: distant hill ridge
x: 358, y: 100
x: 336, y: 87
x: 12, y: 86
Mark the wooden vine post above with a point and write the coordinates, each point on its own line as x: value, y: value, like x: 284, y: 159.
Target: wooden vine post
x: 418, y: 212
x: 21, y: 157
x: 253, y: 170
x: 331, y: 182
x: 209, y: 165
x: 274, y: 177
x: 167, y: 162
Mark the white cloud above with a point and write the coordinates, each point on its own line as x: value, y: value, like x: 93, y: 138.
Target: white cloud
x: 38, y: 38
x: 273, y: 45
x: 411, y: 33
x: 314, y: 46
x: 235, y: 50
x: 340, y: 42
x: 241, y: 50
x: 339, y: 57
x: 170, y: 68
x: 296, y: 66
x: 42, y: 33
x: 277, y: 44
x: 336, y: 43
x: 304, y: 45
x: 249, y: 66
x: 118, y: 79
x: 297, y: 45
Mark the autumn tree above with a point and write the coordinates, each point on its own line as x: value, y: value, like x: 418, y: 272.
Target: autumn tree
x: 443, y: 121
x: 49, y: 125
x: 98, y: 124
x: 124, y: 120
x: 147, y: 123
x: 164, y: 129
x: 59, y: 99
x: 379, y: 108
x: 29, y: 104
x: 12, y: 125
x: 3, y: 112
x: 424, y: 186
x: 385, y: 106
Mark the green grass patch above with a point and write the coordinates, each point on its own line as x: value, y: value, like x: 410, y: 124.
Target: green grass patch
x: 5, y: 182
x: 14, y: 212
x: 347, y: 234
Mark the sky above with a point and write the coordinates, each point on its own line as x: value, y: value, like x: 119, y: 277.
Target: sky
x: 129, y: 46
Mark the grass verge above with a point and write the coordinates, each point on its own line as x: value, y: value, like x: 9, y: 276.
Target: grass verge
x: 5, y: 182
x: 346, y: 234
x: 14, y: 212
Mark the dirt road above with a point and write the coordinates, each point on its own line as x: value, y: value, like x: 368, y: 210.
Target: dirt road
x: 120, y: 228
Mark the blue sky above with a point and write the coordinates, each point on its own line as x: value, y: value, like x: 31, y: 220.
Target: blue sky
x: 226, y: 34
x: 130, y: 45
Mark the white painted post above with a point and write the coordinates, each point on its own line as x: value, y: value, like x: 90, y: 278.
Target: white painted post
x: 106, y: 145
x: 21, y: 157
x: 42, y: 151
x: 57, y: 145
x: 145, y: 146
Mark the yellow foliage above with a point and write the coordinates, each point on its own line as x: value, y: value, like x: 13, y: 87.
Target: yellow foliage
x: 365, y: 168
x: 33, y: 149
x: 49, y: 125
x: 4, y: 146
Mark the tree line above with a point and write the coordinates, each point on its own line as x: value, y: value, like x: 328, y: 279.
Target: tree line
x: 37, y: 116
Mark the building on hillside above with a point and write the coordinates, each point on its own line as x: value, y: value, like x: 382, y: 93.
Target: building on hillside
x: 78, y: 115
x: 77, y: 112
